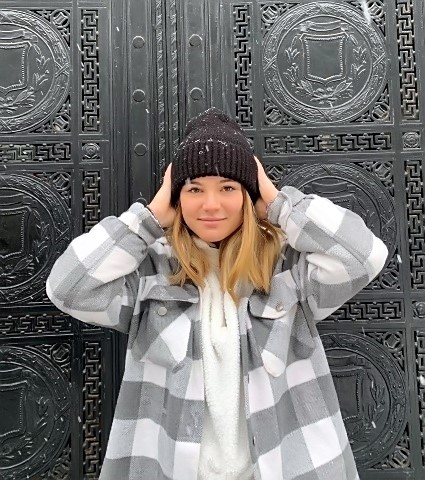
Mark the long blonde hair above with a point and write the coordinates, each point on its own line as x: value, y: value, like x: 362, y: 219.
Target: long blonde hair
x: 247, y: 255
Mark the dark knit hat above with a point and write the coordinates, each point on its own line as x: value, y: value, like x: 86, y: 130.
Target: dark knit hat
x: 214, y: 144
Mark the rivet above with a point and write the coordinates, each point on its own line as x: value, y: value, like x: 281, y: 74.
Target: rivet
x: 140, y: 149
x: 138, y: 42
x: 139, y: 95
x: 195, y: 40
x: 196, y: 93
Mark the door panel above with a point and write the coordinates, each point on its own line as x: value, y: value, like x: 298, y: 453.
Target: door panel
x: 328, y: 93
x: 92, y: 106
x: 58, y: 164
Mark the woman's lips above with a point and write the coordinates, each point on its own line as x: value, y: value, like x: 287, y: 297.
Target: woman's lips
x: 211, y: 220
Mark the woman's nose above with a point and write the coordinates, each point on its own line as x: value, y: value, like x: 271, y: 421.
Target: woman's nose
x: 211, y: 202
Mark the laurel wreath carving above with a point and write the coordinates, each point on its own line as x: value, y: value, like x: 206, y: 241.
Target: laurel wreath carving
x: 26, y: 97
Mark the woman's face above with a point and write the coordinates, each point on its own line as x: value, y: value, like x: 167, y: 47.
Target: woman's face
x: 212, y: 207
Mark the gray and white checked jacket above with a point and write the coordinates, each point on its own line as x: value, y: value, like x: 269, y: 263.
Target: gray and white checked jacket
x: 116, y: 276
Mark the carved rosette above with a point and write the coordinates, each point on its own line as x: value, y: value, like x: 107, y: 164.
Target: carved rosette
x: 35, y: 228
x: 354, y: 188
x: 372, y: 394
x: 36, y: 396
x: 324, y: 63
x: 36, y: 81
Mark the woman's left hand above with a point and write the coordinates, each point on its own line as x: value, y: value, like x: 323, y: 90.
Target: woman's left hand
x: 268, y: 192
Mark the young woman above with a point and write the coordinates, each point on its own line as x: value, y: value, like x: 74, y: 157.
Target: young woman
x: 219, y: 283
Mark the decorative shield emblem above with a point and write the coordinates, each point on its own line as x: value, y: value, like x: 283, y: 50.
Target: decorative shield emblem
x: 35, y: 70
x: 348, y: 378
x: 340, y: 192
x: 12, y: 238
x: 34, y: 411
x: 324, y: 57
x: 323, y: 62
x: 12, y: 399
x: 371, y: 391
x: 14, y: 61
x: 34, y: 229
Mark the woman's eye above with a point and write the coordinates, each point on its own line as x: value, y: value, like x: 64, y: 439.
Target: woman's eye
x: 194, y: 190
x: 229, y: 188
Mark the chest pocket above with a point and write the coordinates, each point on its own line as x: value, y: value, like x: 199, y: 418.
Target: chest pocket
x: 279, y: 330
x: 165, y: 334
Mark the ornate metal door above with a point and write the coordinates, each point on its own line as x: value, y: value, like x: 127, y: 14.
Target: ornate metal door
x: 329, y: 93
x: 62, y: 167
x: 94, y: 96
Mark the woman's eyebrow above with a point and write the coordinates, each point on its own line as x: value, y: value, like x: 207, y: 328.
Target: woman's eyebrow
x: 224, y: 180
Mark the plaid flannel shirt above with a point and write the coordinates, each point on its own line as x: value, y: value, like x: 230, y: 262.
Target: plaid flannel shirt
x: 116, y: 276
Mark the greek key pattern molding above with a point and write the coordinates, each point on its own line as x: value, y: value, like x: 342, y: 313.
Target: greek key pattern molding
x: 91, y: 200
x: 278, y: 145
x: 90, y: 118
x: 31, y: 153
x: 92, y: 412
x: 407, y: 60
x: 364, y: 311
x: 416, y: 222
x: 420, y: 373
x: 243, y: 64
x: 34, y: 324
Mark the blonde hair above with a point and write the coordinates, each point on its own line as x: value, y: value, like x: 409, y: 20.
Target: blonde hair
x: 247, y: 255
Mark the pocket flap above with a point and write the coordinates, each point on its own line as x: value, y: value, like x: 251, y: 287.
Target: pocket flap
x: 281, y: 298
x: 187, y: 293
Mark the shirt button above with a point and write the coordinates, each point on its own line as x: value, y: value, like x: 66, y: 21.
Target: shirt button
x: 279, y: 307
x: 162, y: 311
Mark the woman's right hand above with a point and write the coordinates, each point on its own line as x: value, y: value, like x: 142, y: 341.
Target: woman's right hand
x: 161, y: 206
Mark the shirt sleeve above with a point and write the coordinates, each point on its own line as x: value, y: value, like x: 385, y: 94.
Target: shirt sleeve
x: 335, y: 255
x: 96, y: 279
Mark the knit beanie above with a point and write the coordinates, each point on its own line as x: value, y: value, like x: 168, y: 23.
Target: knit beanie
x: 214, y: 144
